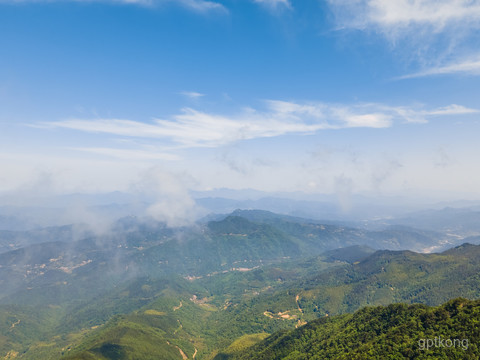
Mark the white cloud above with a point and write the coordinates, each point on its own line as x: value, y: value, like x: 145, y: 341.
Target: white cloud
x: 110, y: 126
x: 412, y: 115
x: 335, y: 116
x: 172, y: 202
x: 369, y: 120
x: 362, y: 116
x: 452, y: 110
x: 201, y: 6
x: 287, y: 108
x: 438, y: 34
x: 275, y: 4
x: 193, y: 128
x: 391, y: 16
x: 191, y: 94
x: 467, y: 67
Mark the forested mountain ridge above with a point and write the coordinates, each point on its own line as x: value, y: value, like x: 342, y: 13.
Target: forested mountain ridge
x: 396, y: 331
x: 135, y: 249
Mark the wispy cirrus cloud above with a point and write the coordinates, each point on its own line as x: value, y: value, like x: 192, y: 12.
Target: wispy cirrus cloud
x: 275, y: 4
x: 192, y: 128
x: 369, y: 115
x: 201, y: 6
x: 191, y: 94
x: 420, y: 115
x: 451, y: 110
x: 335, y: 116
x: 438, y: 34
x: 465, y: 67
x: 392, y: 17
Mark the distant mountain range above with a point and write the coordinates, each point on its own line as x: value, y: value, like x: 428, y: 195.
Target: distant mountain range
x: 243, y: 239
x: 39, y: 211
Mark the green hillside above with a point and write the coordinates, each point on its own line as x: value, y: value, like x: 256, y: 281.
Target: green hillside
x: 396, y: 331
x: 382, y: 278
x: 394, y: 276
x: 220, y: 310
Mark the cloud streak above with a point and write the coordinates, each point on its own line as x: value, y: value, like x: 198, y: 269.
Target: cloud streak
x: 192, y: 128
x: 466, y: 67
x: 275, y: 4
x: 201, y: 6
x: 394, y: 16
x: 191, y: 94
x: 439, y: 34
x: 172, y: 202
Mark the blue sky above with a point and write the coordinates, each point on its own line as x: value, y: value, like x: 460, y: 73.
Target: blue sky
x: 361, y: 96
